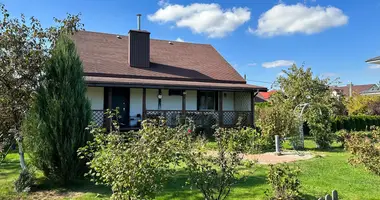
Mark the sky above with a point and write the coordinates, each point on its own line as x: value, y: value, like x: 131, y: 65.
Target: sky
x: 260, y: 38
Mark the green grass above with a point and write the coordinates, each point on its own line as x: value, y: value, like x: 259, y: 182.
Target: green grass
x: 319, y: 176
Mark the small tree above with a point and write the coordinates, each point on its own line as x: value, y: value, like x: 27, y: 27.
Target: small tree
x: 60, y: 115
x: 214, y: 175
x: 284, y: 182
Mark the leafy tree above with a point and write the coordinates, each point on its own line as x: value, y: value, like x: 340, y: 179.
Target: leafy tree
x: 135, y: 164
x: 24, y: 48
x: 363, y: 104
x: 60, y: 115
x: 299, y: 86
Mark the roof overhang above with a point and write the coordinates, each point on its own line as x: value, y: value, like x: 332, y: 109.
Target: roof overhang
x: 375, y: 60
x: 96, y: 81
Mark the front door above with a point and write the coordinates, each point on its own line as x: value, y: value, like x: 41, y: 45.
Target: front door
x: 120, y: 99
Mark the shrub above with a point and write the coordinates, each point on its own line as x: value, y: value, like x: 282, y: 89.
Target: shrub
x: 276, y: 121
x: 135, y: 164
x: 284, y: 182
x: 55, y: 128
x: 354, y: 122
x: 25, y: 181
x: 365, y: 150
x: 214, y: 175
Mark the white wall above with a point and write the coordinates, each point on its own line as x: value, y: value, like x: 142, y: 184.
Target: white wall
x: 191, y: 100
x: 135, y: 105
x: 170, y: 102
x: 96, y: 97
x: 228, y: 101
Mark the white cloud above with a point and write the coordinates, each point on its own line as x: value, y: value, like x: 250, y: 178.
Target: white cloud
x: 252, y: 64
x: 374, y: 66
x: 179, y: 40
x: 208, y: 19
x: 278, y: 63
x: 290, y: 19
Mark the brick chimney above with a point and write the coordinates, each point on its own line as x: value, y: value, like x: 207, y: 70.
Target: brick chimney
x: 138, y: 46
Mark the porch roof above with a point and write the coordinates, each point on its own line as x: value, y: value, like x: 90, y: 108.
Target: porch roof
x: 169, y: 84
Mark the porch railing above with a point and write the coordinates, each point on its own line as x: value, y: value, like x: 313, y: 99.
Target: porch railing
x: 175, y: 117
x: 207, y: 118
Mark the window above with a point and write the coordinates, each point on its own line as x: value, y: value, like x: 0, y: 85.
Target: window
x: 207, y: 100
x: 175, y: 92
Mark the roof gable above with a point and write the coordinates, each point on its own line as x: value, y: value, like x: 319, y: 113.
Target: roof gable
x: 107, y: 55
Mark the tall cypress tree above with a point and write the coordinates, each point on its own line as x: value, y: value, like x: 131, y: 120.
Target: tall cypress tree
x: 60, y: 115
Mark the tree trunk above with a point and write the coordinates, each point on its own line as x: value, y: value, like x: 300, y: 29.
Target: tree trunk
x: 20, y: 151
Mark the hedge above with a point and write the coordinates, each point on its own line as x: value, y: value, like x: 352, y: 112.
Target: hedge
x: 354, y: 122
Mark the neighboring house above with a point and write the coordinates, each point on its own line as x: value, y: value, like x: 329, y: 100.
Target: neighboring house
x: 147, y: 78
x: 375, y: 60
x: 351, y: 89
x: 264, y: 96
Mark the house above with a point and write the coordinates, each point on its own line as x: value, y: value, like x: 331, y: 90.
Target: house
x: 375, y: 60
x: 264, y: 96
x: 350, y: 90
x: 147, y: 78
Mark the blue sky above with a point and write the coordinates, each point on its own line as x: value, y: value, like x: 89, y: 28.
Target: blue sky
x: 258, y: 37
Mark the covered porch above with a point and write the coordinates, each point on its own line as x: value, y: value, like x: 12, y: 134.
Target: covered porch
x: 204, y: 106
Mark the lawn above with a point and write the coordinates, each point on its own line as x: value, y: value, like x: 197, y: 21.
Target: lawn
x: 319, y: 176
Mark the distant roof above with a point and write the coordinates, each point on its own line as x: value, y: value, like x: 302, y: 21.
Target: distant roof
x: 373, y: 59
x: 266, y: 95
x: 356, y: 89
x: 106, y: 55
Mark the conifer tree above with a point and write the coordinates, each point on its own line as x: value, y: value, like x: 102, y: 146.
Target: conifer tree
x: 60, y: 114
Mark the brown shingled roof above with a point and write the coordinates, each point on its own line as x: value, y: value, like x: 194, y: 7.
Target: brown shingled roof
x: 105, y: 54
x: 356, y: 89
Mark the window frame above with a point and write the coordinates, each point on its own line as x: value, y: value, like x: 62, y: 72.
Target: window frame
x: 201, y: 93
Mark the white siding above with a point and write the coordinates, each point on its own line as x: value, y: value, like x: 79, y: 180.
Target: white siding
x: 135, y: 105
x: 170, y: 102
x: 191, y: 100
x: 151, y: 99
x: 228, y: 101
x: 96, y: 97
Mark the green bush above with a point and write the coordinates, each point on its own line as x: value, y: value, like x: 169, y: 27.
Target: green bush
x: 365, y: 149
x: 56, y: 125
x: 215, y: 174
x: 354, y: 122
x: 284, y: 182
x: 136, y: 165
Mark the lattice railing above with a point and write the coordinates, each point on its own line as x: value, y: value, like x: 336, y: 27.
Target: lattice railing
x: 98, y: 117
x: 204, y: 118
x: 231, y: 118
x: 172, y: 117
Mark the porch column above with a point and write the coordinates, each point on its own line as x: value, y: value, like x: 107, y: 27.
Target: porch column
x: 109, y: 96
x: 183, y: 102
x: 220, y: 107
x: 144, y: 104
x: 252, y: 122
